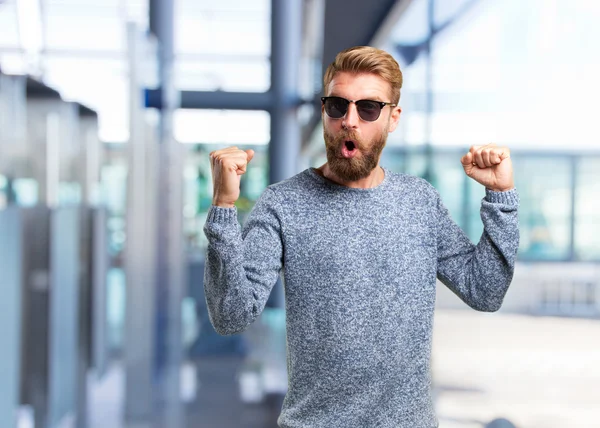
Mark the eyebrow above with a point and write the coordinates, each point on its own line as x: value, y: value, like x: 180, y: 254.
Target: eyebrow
x: 376, y: 98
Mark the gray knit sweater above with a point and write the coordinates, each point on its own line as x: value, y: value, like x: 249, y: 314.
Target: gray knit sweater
x: 360, y: 269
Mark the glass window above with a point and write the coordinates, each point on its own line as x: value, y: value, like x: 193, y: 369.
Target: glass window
x: 544, y: 186
x: 446, y: 10
x: 449, y: 179
x: 412, y: 28
x: 587, y: 209
x: 493, y: 85
x: 26, y: 191
x: 223, y: 28
x: 223, y: 45
x: 218, y: 73
x: 415, y: 163
x: 393, y: 159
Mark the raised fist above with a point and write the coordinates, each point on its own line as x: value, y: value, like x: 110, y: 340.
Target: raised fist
x: 491, y: 166
x: 227, y: 166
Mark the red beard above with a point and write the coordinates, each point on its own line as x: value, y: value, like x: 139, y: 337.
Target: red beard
x: 359, y: 166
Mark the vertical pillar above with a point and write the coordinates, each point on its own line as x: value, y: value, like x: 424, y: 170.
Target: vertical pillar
x: 429, y: 176
x: 284, y: 148
x: 13, y: 123
x: 11, y: 260
x: 90, y: 159
x: 171, y: 255
x: 140, y: 305
x: 286, y: 43
x: 63, y: 307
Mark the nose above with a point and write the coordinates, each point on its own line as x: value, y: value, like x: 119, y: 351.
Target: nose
x: 351, y: 119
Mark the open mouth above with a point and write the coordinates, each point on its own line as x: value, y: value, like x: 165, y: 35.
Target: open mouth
x: 349, y: 149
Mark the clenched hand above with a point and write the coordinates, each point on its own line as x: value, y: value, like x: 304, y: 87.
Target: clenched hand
x: 228, y: 166
x: 491, y: 166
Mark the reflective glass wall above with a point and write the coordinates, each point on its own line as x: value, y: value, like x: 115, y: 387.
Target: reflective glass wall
x: 558, y: 213
x: 519, y: 75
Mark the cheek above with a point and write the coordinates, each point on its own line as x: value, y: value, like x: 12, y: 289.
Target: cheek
x: 332, y: 123
x: 374, y: 134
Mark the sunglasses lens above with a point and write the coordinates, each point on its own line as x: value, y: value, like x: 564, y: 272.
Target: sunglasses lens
x: 368, y: 110
x: 336, y: 107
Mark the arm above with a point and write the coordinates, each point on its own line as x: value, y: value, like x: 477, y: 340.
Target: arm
x: 480, y: 274
x: 241, y: 268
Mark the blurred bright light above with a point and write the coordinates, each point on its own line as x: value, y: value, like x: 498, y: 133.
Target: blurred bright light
x: 521, y: 74
x: 31, y: 33
x: 30, y: 25
x: 227, y: 127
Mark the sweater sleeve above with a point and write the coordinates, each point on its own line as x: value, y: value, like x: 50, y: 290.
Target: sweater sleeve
x: 241, y: 266
x: 480, y: 274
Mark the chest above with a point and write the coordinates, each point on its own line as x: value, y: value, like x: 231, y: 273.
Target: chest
x: 352, y: 242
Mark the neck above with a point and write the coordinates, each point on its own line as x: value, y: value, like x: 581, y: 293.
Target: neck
x: 374, y: 179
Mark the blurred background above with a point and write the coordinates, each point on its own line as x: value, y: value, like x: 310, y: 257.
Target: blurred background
x: 108, y: 110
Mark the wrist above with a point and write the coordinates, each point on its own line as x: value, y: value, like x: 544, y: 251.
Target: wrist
x: 223, y: 200
x: 222, y: 204
x: 500, y: 189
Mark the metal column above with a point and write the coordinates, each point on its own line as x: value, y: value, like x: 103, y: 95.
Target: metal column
x: 64, y: 309
x: 429, y: 175
x: 171, y: 252
x: 286, y: 51
x: 140, y: 304
x: 286, y: 44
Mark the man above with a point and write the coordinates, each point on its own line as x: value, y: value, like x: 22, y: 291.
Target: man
x: 360, y: 248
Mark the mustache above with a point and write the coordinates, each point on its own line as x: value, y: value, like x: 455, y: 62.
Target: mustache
x: 344, y: 136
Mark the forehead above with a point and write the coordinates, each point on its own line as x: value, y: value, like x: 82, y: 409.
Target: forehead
x: 360, y: 86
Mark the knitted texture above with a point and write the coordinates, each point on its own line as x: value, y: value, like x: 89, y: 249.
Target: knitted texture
x: 359, y: 268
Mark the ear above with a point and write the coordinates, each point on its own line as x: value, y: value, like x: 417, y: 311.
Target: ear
x: 394, y: 118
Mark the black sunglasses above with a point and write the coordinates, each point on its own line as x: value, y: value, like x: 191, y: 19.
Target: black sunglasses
x: 368, y: 110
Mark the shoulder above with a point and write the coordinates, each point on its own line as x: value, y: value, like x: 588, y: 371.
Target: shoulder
x: 300, y: 180
x: 277, y: 193
x: 412, y: 184
x: 301, y: 185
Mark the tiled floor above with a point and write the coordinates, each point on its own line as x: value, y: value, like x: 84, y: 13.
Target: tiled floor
x: 536, y: 372
x: 218, y: 403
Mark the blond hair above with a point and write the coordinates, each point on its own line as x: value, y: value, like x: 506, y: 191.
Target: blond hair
x: 366, y: 59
